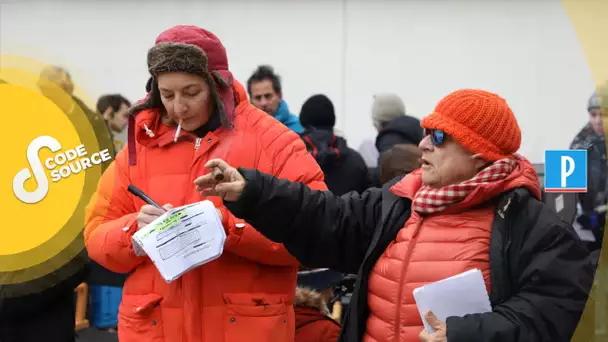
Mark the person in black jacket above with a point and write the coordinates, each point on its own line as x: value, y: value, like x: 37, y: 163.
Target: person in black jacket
x: 433, y: 224
x: 343, y: 167
x: 397, y: 144
x: 593, y: 139
x: 402, y: 130
x: 42, y: 309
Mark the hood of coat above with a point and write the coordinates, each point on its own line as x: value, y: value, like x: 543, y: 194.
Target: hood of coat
x: 402, y: 130
x: 586, y: 137
x: 327, y: 148
x: 283, y: 114
x: 523, y: 176
x: 287, y: 118
x: 311, y: 299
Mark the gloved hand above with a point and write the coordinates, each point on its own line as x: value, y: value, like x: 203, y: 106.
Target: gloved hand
x: 588, y: 220
x: 594, y: 222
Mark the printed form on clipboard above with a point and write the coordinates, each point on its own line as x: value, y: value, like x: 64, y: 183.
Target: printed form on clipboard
x: 182, y: 239
x: 460, y: 295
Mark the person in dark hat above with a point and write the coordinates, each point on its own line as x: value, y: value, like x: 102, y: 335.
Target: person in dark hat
x: 401, y: 130
x: 398, y: 143
x: 343, y: 167
x: 313, y: 319
x: 593, y: 139
x: 195, y: 111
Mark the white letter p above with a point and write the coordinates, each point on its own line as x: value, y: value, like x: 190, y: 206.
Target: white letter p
x: 566, y: 170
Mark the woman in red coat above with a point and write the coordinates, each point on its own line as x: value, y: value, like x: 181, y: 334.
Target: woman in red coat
x: 247, y: 293
x: 313, y: 320
x: 313, y: 323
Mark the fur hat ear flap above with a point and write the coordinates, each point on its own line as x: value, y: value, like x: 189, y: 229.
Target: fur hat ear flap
x: 220, y: 80
x: 222, y: 84
x: 149, y: 85
x: 217, y: 99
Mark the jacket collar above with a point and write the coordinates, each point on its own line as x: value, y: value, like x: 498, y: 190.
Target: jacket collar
x: 282, y: 113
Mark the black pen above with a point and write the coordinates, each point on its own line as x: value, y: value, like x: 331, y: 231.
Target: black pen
x: 135, y: 191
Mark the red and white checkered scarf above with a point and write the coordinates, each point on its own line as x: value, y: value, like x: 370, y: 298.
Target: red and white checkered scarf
x: 429, y: 200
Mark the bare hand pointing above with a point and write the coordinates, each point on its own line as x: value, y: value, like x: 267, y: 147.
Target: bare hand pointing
x: 224, y: 181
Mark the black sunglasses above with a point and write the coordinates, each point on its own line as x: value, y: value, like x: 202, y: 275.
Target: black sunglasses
x: 437, y: 136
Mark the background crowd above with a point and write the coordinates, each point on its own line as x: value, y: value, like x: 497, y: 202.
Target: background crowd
x: 397, y: 151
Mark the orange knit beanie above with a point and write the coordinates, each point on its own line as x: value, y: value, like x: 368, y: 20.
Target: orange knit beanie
x: 480, y: 121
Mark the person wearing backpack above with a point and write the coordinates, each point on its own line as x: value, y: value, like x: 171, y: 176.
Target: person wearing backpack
x: 474, y: 204
x: 343, y: 168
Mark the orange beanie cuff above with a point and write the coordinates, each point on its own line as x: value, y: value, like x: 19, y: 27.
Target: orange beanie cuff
x: 480, y: 121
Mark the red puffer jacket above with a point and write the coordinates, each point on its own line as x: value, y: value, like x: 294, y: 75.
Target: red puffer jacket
x: 246, y: 294
x: 431, y: 248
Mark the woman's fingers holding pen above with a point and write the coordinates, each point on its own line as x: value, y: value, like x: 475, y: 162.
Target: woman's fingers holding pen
x: 149, y: 213
x: 154, y: 211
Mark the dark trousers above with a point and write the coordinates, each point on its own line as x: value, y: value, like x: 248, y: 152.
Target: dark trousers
x: 56, y: 323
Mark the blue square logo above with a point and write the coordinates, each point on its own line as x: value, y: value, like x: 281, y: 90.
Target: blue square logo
x: 566, y: 171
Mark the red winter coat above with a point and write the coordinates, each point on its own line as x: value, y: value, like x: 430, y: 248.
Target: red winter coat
x: 312, y: 321
x: 246, y: 294
x: 431, y: 248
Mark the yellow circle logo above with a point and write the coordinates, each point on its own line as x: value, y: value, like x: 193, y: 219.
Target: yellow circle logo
x: 56, y: 151
x: 42, y: 201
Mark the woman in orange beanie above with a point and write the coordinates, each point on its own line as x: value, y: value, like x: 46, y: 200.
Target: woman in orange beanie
x: 474, y: 204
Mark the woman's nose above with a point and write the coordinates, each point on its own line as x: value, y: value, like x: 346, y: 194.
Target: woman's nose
x: 179, y: 107
x: 426, y: 144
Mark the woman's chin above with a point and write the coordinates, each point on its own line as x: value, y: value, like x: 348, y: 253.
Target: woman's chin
x: 428, y: 177
x: 191, y: 126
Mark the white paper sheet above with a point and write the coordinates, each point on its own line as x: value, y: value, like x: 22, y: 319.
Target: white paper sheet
x: 459, y: 295
x: 182, y: 239
x: 559, y: 203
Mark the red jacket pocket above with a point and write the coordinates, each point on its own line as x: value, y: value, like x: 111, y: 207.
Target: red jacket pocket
x: 139, y: 318
x: 258, y: 317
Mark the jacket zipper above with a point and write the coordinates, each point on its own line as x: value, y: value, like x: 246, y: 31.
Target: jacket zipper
x: 408, y: 255
x: 197, y: 144
x: 507, y: 243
